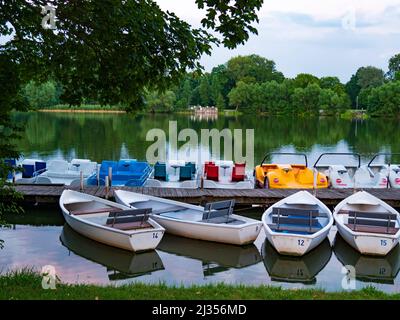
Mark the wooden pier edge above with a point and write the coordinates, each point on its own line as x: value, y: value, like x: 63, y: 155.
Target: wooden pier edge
x: 51, y: 194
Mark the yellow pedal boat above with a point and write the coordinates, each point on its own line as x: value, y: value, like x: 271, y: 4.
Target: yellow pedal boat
x: 287, y: 176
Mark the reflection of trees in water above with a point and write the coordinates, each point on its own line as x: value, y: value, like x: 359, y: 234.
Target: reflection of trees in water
x: 101, y: 136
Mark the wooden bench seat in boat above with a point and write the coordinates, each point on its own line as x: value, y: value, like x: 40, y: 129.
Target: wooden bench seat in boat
x: 372, y: 229
x: 372, y: 222
x: 295, y: 220
x: 129, y: 219
x: 93, y: 211
x: 219, y: 209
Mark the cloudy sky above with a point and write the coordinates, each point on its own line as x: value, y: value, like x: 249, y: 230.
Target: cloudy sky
x: 330, y: 37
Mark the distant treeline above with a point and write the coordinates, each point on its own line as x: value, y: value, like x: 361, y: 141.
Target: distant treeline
x: 251, y: 84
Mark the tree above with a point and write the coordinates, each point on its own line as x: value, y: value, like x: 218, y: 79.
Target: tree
x: 244, y: 96
x: 253, y: 68
x: 306, y: 101
x: 385, y: 100
x: 111, y: 52
x: 332, y: 83
x: 161, y: 102
x: 394, y: 66
x: 302, y: 80
x: 41, y: 95
x: 370, y: 77
x: 353, y: 89
x: 205, y: 91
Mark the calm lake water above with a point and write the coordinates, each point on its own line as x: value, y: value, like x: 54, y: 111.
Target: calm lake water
x: 114, y: 136
x: 39, y: 237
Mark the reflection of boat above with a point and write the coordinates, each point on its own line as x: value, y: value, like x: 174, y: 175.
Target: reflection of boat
x: 120, y: 263
x: 214, y: 222
x: 297, y: 224
x: 222, y: 254
x: 367, y: 223
x: 368, y: 268
x: 109, y: 222
x: 296, y: 269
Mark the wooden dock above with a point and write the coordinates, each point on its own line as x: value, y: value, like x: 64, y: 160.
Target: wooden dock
x: 52, y: 193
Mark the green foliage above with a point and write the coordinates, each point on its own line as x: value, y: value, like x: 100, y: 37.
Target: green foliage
x: 303, y: 80
x: 40, y: 96
x: 370, y: 77
x: 353, y: 90
x: 394, y: 67
x: 384, y: 100
x: 160, y: 102
x: 110, y: 52
x: 252, y: 69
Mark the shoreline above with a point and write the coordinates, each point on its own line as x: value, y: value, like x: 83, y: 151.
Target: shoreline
x: 80, y: 111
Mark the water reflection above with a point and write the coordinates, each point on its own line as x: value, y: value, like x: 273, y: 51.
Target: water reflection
x: 296, y: 269
x: 369, y: 268
x: 215, y: 257
x: 121, y: 264
x: 65, y: 136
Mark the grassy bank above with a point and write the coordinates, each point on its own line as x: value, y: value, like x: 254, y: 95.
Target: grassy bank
x: 84, y: 108
x: 27, y: 285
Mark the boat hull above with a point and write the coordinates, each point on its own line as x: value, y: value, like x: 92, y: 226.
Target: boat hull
x: 294, y: 245
x: 136, y: 242
x: 210, y: 232
x: 368, y: 244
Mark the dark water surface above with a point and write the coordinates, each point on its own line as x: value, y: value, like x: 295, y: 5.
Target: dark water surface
x: 44, y: 240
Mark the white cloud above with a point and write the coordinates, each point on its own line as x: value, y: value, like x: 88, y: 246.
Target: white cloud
x: 308, y: 36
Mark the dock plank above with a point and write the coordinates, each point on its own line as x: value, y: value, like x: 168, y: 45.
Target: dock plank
x: 196, y: 196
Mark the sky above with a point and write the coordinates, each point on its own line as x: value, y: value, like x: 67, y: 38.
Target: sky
x: 324, y: 38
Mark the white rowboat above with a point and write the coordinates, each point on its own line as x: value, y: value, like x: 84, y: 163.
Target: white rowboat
x: 297, y: 224
x: 110, y: 223
x: 215, y: 222
x: 367, y: 223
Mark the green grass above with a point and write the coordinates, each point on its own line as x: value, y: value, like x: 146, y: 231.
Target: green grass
x: 354, y: 114
x: 26, y: 284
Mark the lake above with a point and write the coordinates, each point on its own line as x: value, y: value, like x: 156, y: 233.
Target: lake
x: 39, y: 237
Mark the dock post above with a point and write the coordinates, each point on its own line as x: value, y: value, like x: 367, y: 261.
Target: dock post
x: 13, y: 176
x: 110, y: 176
x: 98, y: 174
x: 107, y: 186
x: 81, y: 178
x: 201, y: 183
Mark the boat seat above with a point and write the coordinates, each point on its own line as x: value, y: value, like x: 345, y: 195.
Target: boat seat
x: 295, y: 220
x: 160, y: 171
x: 212, y: 173
x: 372, y: 229
x: 132, y: 226
x: 238, y: 172
x: 28, y: 170
x: 218, y: 209
x: 185, y: 173
x: 125, y: 217
x: 374, y: 222
x: 93, y: 211
x: 284, y: 211
x: 192, y: 166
